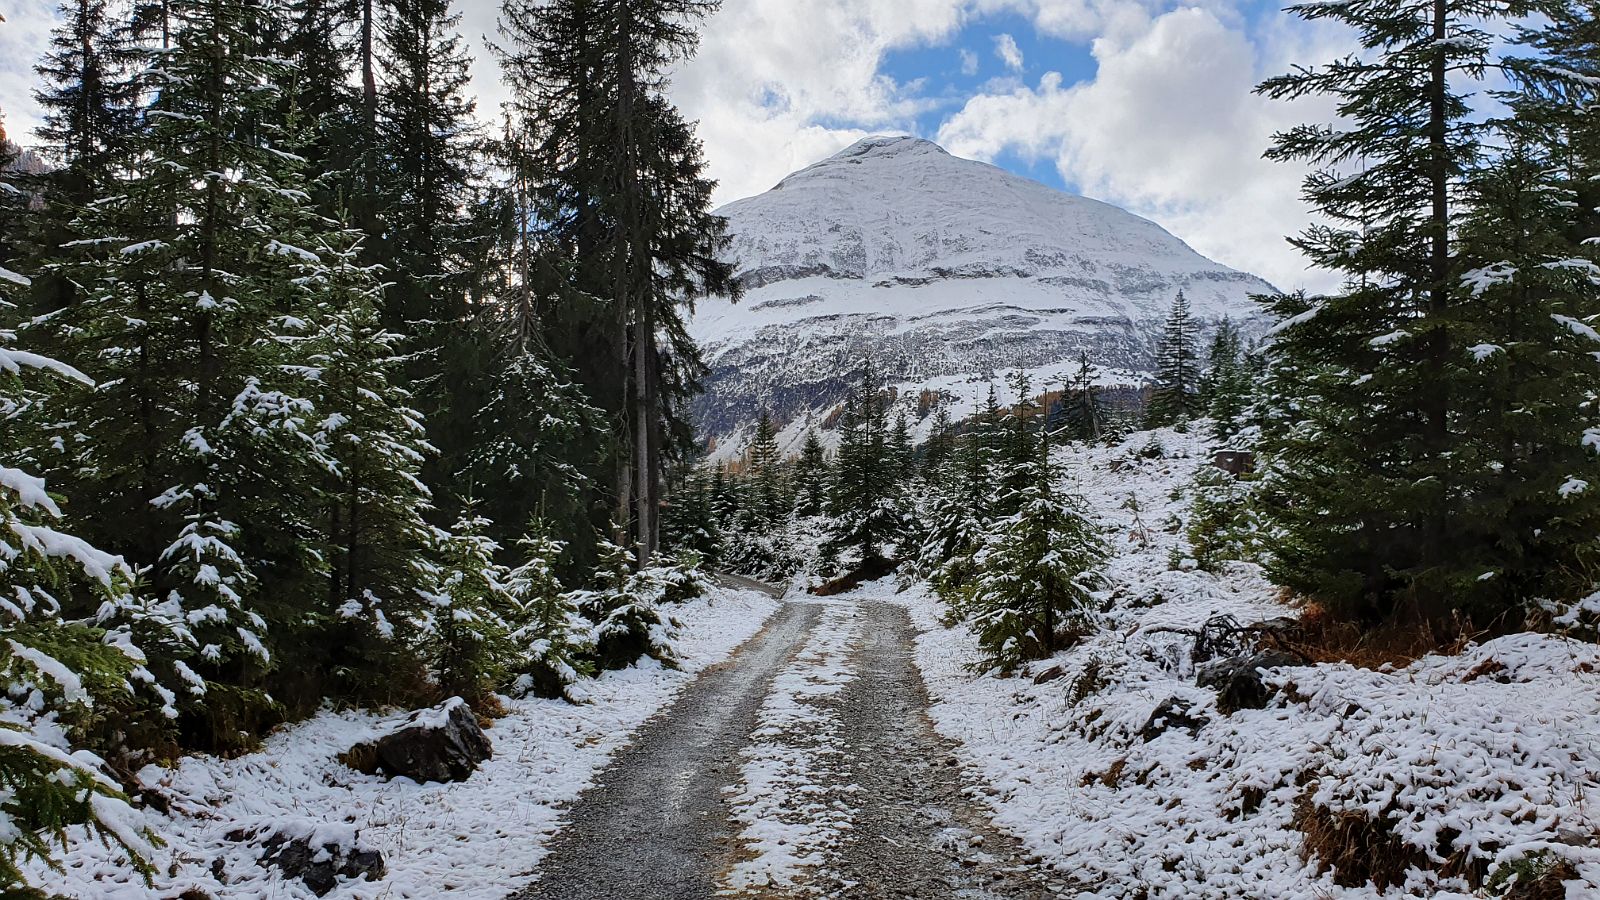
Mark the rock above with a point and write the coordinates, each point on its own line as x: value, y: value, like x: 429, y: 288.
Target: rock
x: 1172, y: 712
x: 317, y: 853
x: 439, y: 744
x: 1048, y: 675
x: 1237, y: 679
x: 1234, y: 462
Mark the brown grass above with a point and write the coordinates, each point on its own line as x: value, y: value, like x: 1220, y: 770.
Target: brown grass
x: 1324, y: 638
x: 1111, y: 777
x: 362, y: 757
x: 1355, y: 848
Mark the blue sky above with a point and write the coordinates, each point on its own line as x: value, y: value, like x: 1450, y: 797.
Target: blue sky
x: 962, y: 67
x: 1141, y: 103
x: 1146, y: 104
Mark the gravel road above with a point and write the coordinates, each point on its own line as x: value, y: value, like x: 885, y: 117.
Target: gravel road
x: 918, y: 834
x: 656, y: 826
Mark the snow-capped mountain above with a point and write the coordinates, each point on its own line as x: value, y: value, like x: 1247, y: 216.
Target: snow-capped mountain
x: 944, y: 270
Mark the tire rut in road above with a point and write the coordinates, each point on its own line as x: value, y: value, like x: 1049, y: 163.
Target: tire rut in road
x: 918, y: 833
x: 654, y: 826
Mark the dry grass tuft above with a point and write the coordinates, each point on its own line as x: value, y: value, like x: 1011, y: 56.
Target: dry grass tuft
x: 1358, y: 850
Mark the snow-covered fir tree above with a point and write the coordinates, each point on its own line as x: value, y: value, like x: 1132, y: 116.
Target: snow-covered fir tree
x: 1225, y: 388
x: 811, y: 477
x: 553, y: 641
x: 1175, y: 398
x: 1037, y: 573
x: 521, y: 466
x: 865, y: 505
x: 764, y: 502
x: 464, y: 629
x: 1418, y: 415
x: 628, y: 622
x: 371, y: 446
x: 64, y: 680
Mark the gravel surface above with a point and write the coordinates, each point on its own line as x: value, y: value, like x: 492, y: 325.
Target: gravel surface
x: 655, y: 825
x: 918, y: 830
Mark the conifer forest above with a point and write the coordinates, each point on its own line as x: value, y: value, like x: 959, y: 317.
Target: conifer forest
x: 421, y: 476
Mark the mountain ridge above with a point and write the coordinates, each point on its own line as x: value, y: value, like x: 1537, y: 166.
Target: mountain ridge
x: 946, y: 271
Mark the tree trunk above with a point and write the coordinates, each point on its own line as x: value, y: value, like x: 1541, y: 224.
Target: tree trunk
x: 1436, y: 397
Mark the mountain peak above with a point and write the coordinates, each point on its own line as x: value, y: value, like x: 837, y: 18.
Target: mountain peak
x: 943, y: 270
x: 874, y: 149
x: 889, y: 145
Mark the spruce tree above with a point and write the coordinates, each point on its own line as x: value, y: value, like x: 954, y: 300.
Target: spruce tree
x: 865, y: 504
x: 1033, y: 591
x: 628, y: 623
x: 1529, y: 447
x: 465, y: 634
x: 764, y: 505
x: 1388, y: 520
x: 811, y: 477
x: 551, y: 637
x: 1086, y: 408
x: 62, y: 679
x: 1175, y: 397
x: 615, y: 177
x: 371, y: 447
x: 901, y: 453
x: 315, y: 36
x: 534, y: 466
x: 1226, y: 387
x: 1019, y: 443
x: 938, y: 451
x: 430, y: 146
x: 691, y: 523
x: 88, y: 94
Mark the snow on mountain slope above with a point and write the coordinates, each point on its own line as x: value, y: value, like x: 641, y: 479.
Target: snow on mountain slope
x: 946, y: 271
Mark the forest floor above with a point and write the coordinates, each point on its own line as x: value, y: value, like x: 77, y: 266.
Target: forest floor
x: 804, y: 766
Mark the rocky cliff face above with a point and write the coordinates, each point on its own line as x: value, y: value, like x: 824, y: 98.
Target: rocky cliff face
x: 945, y: 271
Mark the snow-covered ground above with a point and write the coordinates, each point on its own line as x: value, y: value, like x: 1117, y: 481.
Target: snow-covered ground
x: 474, y: 839
x: 1490, y: 758
x: 792, y: 821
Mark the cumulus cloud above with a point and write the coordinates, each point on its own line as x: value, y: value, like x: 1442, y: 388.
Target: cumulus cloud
x: 1005, y: 47
x: 969, y: 61
x: 1169, y: 129
x: 24, y: 37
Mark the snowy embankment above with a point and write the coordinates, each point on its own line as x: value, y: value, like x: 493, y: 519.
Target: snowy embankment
x: 1444, y: 778
x: 474, y: 839
x: 791, y: 824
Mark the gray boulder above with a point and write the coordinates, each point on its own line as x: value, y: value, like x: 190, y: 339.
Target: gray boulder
x: 1172, y: 713
x: 319, y: 854
x: 1237, y: 679
x: 444, y: 743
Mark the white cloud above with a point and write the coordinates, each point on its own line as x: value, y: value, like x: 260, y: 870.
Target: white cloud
x: 969, y: 61
x: 779, y: 84
x: 24, y: 37
x: 1169, y: 129
x: 1005, y: 47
